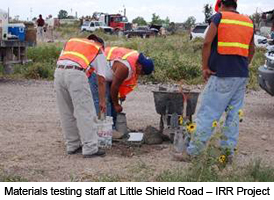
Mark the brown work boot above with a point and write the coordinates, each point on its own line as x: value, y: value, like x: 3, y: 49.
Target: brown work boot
x: 100, y: 153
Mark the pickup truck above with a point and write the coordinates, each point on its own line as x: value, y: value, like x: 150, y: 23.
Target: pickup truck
x: 141, y: 31
x: 266, y: 72
x: 92, y: 26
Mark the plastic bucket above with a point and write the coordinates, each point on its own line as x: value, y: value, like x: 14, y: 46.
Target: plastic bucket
x: 104, y: 132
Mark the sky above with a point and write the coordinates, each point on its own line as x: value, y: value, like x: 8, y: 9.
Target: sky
x: 176, y: 10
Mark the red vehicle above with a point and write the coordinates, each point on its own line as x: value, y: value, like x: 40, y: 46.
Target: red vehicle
x: 117, y: 21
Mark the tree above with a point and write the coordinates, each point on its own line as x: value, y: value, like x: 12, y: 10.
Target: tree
x: 140, y: 21
x: 63, y: 14
x: 157, y: 20
x: 256, y: 18
x: 208, y: 12
x: 190, y: 22
x: 167, y: 21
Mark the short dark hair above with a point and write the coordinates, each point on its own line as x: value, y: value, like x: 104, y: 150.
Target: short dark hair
x: 96, y: 39
x: 230, y: 3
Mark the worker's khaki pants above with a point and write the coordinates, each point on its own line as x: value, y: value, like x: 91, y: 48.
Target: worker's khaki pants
x: 76, y: 109
x: 40, y: 33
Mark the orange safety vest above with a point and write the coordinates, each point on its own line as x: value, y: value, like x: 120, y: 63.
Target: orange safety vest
x: 131, y: 56
x: 81, y: 51
x: 235, y: 33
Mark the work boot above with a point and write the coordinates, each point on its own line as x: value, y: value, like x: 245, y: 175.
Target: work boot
x: 76, y: 151
x: 100, y: 153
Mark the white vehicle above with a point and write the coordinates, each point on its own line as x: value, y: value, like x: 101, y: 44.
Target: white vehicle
x: 199, y: 31
x: 95, y: 25
x: 260, y: 41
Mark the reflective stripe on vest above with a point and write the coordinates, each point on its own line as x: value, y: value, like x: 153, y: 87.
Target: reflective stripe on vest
x: 235, y: 33
x: 76, y: 54
x: 236, y: 22
x: 129, y: 54
x: 81, y: 51
x: 110, y: 52
x: 233, y: 44
x: 86, y: 42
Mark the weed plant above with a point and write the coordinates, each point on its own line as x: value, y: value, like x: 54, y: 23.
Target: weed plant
x: 176, y: 58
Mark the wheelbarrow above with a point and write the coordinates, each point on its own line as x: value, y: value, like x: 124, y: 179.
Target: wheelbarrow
x: 174, y: 107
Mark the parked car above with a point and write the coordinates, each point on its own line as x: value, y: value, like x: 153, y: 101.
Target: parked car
x: 141, y: 31
x: 199, y: 31
x: 266, y: 73
x: 96, y: 25
x: 260, y: 41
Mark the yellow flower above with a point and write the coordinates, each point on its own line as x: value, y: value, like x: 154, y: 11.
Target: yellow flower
x: 222, y: 159
x: 241, y: 113
x: 181, y: 120
x: 214, y: 124
x: 191, y: 127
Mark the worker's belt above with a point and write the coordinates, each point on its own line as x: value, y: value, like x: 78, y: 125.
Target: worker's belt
x: 71, y: 67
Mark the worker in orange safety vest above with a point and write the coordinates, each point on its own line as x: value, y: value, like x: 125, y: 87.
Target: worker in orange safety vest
x: 227, y: 51
x: 80, y: 57
x: 124, y: 67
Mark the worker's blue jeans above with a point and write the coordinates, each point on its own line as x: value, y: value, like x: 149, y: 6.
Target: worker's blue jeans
x: 220, y: 95
x: 93, y: 82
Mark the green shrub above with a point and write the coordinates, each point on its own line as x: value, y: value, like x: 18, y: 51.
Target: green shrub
x: 175, y: 57
x: 1, y: 69
x: 45, y: 53
x: 254, y: 172
x: 258, y: 60
x: 39, y: 71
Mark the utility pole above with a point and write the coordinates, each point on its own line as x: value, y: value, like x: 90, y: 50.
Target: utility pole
x: 8, y: 14
x: 30, y: 14
x: 125, y: 10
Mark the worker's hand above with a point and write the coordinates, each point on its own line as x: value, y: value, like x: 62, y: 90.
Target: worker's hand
x: 103, y: 107
x: 207, y: 73
x: 118, y: 108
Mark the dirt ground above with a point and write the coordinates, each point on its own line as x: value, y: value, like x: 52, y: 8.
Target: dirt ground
x: 32, y: 146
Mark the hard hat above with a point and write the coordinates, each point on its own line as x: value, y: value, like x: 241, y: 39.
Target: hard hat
x: 217, y: 5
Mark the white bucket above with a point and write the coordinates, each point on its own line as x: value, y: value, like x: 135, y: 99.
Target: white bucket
x: 104, y: 131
